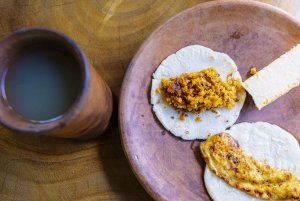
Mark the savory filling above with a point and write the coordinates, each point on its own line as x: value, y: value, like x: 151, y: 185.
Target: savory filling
x: 253, y: 71
x: 232, y: 164
x: 200, y: 91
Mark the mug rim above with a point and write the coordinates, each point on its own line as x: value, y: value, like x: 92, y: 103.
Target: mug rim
x: 44, y: 126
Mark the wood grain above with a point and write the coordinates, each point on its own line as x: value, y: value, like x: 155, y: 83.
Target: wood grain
x: 110, y: 32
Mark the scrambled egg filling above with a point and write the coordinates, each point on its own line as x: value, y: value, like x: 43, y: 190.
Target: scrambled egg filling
x: 253, y: 71
x: 200, y: 91
x: 232, y: 164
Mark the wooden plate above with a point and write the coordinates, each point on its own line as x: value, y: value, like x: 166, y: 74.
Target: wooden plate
x: 252, y: 34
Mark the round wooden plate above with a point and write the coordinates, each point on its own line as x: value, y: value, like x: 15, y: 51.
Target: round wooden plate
x: 252, y: 34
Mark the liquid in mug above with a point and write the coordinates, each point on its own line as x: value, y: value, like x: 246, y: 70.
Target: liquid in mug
x: 42, y: 84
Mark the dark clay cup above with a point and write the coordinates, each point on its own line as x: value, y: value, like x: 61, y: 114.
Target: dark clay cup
x: 90, y: 114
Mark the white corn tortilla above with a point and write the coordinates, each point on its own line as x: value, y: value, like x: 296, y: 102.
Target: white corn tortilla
x: 265, y: 142
x: 186, y: 60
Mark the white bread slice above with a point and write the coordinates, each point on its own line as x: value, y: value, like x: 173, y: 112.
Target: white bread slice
x: 276, y: 79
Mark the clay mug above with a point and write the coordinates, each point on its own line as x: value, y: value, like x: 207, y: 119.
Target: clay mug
x: 89, y: 112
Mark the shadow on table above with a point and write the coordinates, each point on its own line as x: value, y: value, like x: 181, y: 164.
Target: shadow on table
x: 117, y: 169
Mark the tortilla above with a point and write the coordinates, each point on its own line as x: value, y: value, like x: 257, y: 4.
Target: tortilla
x: 265, y: 142
x: 186, y: 60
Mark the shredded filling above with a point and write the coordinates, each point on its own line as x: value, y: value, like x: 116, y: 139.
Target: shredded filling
x: 200, y: 91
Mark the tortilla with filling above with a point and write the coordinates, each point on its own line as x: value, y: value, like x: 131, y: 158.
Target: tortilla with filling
x: 265, y: 142
x: 192, y: 59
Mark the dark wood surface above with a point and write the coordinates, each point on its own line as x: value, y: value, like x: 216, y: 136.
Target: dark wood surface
x: 253, y: 34
x: 110, y: 33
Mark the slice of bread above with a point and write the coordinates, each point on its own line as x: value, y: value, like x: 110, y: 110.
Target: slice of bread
x: 276, y: 79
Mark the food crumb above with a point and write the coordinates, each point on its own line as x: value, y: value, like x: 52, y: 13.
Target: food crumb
x: 182, y: 116
x: 172, y: 117
x: 198, y: 119
x: 214, y: 111
x: 253, y: 71
x: 187, y: 132
x: 158, y: 102
x: 218, y: 115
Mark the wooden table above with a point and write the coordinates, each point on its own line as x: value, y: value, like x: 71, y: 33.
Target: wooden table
x: 110, y: 32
